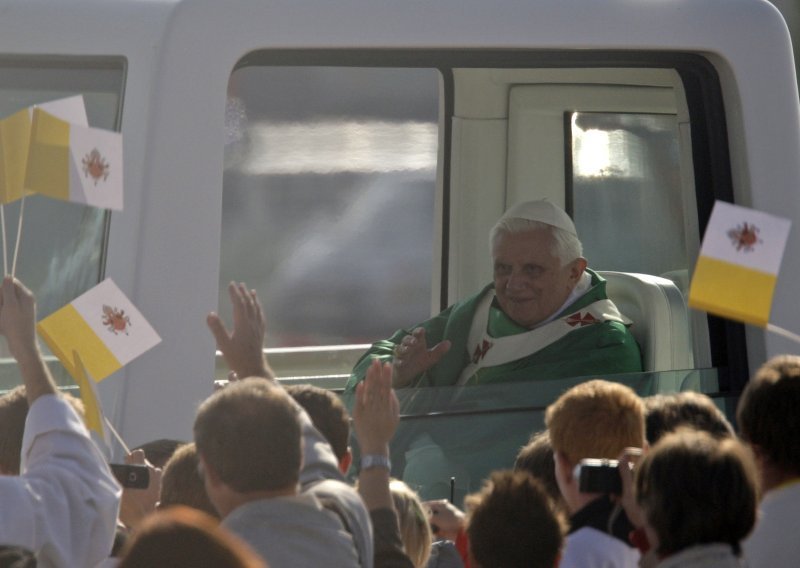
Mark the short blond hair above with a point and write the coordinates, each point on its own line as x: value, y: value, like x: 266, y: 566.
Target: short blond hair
x: 415, y: 530
x: 596, y: 419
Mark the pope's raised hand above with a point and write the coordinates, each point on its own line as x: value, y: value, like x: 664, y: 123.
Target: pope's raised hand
x: 412, y: 357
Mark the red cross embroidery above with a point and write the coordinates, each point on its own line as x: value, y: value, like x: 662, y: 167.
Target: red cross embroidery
x: 577, y: 319
x: 481, y: 351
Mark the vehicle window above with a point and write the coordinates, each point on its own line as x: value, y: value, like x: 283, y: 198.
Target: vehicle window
x: 328, y: 199
x: 67, y: 258
x: 625, y: 182
x: 465, y: 434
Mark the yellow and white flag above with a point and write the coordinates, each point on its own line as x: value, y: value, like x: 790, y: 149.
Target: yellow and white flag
x: 92, y: 410
x: 739, y: 262
x: 15, y: 136
x: 103, y: 327
x: 73, y: 162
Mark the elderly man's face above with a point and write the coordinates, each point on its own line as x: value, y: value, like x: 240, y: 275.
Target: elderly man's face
x: 529, y: 281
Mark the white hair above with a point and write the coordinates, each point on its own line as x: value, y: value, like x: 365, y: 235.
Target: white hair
x: 566, y: 246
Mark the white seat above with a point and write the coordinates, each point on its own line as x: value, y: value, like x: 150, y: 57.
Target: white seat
x: 660, y: 318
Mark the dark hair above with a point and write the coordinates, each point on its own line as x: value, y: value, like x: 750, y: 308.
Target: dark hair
x: 181, y: 536
x: 159, y: 451
x: 696, y: 489
x: 13, y: 412
x: 327, y: 413
x: 16, y: 557
x: 249, y: 434
x: 768, y: 413
x: 665, y: 413
x: 536, y: 457
x: 181, y: 483
x: 512, y: 523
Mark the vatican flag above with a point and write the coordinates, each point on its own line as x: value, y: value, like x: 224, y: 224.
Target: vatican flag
x: 103, y: 327
x: 15, y: 136
x: 73, y: 162
x: 92, y: 410
x: 739, y: 261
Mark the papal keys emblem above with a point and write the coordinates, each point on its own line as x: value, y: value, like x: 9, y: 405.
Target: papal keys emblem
x: 95, y: 166
x: 744, y: 237
x: 115, y: 320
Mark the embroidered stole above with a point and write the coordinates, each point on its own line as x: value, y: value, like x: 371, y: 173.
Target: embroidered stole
x: 487, y: 351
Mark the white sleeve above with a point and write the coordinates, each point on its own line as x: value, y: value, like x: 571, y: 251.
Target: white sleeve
x: 64, y: 505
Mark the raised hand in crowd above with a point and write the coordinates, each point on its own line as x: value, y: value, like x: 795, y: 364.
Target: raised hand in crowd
x: 376, y: 415
x: 243, y: 346
x: 18, y: 325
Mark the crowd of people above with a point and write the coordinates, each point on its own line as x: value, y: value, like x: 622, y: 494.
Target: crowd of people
x: 263, y: 482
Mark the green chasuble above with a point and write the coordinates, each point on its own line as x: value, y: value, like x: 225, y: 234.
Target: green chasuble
x: 602, y: 348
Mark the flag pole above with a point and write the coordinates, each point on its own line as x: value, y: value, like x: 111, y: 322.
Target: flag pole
x: 117, y: 436
x: 783, y: 332
x: 3, y: 228
x: 19, y: 237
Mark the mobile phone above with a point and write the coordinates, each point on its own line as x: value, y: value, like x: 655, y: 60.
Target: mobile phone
x: 599, y: 476
x: 132, y: 476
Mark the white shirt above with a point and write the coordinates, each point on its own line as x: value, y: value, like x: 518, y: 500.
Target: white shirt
x: 774, y: 542
x: 590, y: 548
x: 64, y: 504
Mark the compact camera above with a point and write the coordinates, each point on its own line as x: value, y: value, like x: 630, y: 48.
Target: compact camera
x: 132, y: 476
x: 598, y: 476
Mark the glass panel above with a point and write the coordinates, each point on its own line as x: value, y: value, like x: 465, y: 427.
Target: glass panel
x: 626, y: 188
x: 328, y: 195
x: 62, y: 245
x: 467, y: 432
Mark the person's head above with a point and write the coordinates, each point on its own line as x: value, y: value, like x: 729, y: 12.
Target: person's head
x: 415, y: 531
x: 181, y: 483
x: 695, y: 489
x: 248, y: 441
x: 666, y: 413
x: 16, y: 557
x: 181, y: 536
x: 13, y: 412
x: 329, y: 416
x: 512, y: 523
x: 537, y: 261
x: 536, y: 457
x: 595, y: 419
x: 769, y: 420
x: 159, y: 451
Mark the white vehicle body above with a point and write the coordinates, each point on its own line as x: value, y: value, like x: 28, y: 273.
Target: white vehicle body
x: 177, y: 58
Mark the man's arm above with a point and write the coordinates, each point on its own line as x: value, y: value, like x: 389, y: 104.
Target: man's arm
x: 64, y: 504
x: 18, y: 325
x: 408, y: 351
x: 242, y: 347
x: 376, y: 415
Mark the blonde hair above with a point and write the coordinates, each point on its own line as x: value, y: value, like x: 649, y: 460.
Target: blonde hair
x: 596, y: 419
x: 414, y: 527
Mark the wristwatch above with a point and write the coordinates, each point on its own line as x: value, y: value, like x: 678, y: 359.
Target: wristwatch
x: 371, y: 461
